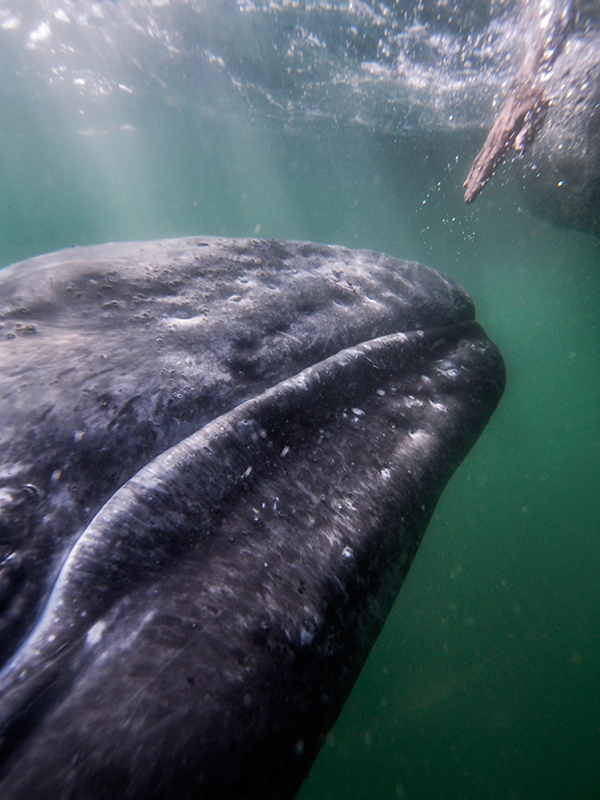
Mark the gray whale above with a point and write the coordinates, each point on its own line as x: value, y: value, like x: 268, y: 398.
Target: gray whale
x: 218, y: 458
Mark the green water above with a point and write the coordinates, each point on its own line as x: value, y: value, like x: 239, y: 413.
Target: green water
x: 485, y: 682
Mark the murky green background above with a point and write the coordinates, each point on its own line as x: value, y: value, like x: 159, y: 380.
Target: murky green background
x: 486, y: 680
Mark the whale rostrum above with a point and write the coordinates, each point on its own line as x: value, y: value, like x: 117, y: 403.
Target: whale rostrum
x: 218, y: 458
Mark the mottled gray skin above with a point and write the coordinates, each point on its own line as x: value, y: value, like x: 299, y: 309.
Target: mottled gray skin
x: 561, y: 175
x: 218, y: 458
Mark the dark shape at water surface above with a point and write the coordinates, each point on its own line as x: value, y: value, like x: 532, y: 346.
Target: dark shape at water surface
x: 218, y: 458
x: 561, y: 173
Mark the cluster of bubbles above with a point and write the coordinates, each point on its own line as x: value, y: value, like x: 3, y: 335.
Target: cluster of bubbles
x: 430, y: 64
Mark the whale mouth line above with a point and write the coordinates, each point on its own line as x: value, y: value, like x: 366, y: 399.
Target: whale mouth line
x: 105, y: 533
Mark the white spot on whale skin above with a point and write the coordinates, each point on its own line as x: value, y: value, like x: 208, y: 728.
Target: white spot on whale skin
x: 447, y: 367
x: 306, y: 637
x: 95, y: 633
x: 419, y: 436
x: 6, y: 497
x: 347, y: 552
x: 386, y: 474
x: 438, y: 406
